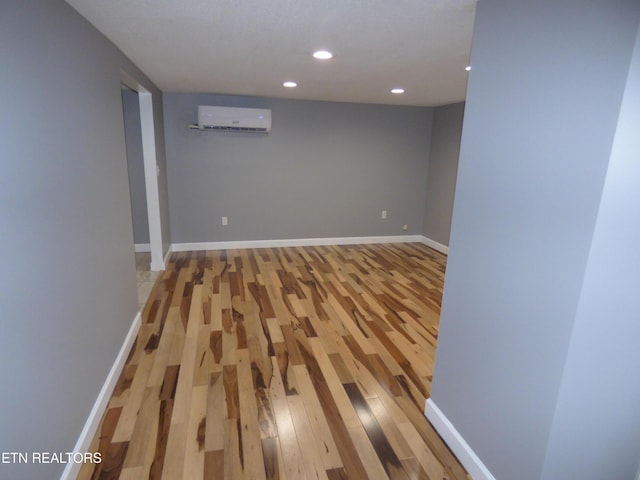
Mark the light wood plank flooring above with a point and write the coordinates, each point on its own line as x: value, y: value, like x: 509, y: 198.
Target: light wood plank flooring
x: 282, y: 363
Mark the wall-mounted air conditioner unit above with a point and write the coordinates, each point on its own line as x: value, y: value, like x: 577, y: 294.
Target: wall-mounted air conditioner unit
x: 234, y: 119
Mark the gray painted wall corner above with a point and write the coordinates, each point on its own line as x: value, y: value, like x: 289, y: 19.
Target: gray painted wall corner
x: 535, y: 148
x: 443, y: 168
x: 603, y: 388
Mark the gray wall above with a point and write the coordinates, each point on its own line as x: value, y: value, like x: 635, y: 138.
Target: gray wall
x: 135, y: 164
x: 540, y: 118
x: 68, y: 292
x: 325, y: 170
x: 601, y: 379
x: 163, y: 181
x: 443, y: 168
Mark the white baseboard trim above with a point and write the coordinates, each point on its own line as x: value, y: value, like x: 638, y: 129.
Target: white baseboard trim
x: 83, y: 444
x: 457, y: 444
x: 157, y: 266
x: 168, y: 254
x: 294, y: 242
x: 142, y: 247
x: 435, y: 245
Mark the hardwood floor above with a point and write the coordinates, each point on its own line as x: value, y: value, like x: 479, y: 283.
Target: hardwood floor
x: 289, y: 363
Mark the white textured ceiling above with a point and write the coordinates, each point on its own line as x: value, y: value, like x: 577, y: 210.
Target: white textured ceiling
x: 249, y: 47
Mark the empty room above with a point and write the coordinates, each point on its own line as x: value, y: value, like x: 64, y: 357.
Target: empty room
x: 308, y: 239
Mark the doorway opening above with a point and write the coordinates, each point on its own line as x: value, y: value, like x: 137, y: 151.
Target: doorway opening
x: 150, y: 167
x: 145, y: 278
x: 137, y: 109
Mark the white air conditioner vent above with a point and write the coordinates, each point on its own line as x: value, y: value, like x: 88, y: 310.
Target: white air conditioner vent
x: 234, y: 119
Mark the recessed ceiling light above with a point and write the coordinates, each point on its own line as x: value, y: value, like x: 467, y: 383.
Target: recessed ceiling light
x: 397, y: 90
x: 322, y: 55
x: 290, y: 84
x: 467, y: 68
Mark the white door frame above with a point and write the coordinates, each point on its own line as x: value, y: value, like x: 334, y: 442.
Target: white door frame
x: 151, y: 168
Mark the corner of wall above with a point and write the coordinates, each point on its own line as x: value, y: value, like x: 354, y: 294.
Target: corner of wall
x: 456, y: 442
x: 435, y: 245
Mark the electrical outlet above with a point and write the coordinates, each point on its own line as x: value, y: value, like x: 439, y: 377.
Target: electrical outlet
x: 405, y: 227
x: 225, y: 220
x: 384, y: 214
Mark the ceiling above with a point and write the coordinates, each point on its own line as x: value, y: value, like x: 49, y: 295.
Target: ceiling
x: 250, y: 47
